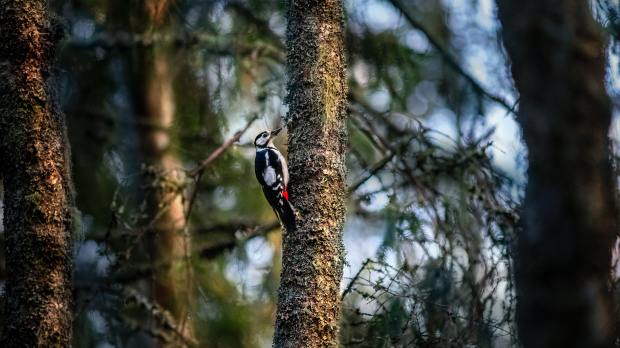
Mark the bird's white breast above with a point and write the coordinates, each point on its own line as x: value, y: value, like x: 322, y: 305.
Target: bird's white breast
x: 269, y: 174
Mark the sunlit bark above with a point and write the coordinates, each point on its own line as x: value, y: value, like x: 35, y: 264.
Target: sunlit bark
x: 309, y: 298
x: 35, y: 167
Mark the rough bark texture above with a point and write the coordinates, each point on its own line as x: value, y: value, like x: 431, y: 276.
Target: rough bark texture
x: 37, y: 190
x: 309, y: 303
x: 564, y: 253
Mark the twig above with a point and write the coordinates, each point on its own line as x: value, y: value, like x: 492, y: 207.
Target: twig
x: 260, y: 23
x: 127, y: 40
x: 371, y: 172
x: 199, y: 171
x: 354, y: 279
x: 220, y: 150
x: 163, y: 317
x: 448, y: 58
x: 214, y: 250
x: 212, y: 43
x: 380, y: 165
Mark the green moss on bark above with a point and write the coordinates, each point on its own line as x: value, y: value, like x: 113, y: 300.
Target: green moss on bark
x: 309, y: 303
x: 37, y: 189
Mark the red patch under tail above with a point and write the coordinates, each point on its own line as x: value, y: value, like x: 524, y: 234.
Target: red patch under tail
x: 285, y: 193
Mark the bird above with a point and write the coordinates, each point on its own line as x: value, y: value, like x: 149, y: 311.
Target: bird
x: 272, y: 174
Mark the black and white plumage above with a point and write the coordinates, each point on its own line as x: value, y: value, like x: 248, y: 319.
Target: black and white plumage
x: 272, y: 173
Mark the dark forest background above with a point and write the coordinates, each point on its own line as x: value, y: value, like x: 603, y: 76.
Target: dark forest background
x: 177, y: 248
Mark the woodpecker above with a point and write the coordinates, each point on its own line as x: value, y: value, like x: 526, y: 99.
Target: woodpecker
x: 272, y: 173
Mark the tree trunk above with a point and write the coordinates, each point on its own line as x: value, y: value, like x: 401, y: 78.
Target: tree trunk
x: 309, y: 303
x: 166, y: 244
x: 37, y: 186
x: 154, y: 108
x: 564, y: 252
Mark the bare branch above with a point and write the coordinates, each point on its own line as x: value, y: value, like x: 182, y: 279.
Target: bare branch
x: 448, y: 58
x: 220, y: 150
x: 163, y: 317
x: 247, y: 234
x: 199, y: 171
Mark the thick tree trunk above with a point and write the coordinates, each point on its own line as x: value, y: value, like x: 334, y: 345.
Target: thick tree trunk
x: 309, y: 303
x: 37, y: 186
x: 564, y: 253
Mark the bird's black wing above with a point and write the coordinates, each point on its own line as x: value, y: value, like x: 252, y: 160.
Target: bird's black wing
x: 268, y: 168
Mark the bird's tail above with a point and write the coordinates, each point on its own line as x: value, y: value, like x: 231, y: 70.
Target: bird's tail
x: 286, y: 213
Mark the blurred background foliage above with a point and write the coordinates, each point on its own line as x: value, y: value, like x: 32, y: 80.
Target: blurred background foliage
x: 171, y: 256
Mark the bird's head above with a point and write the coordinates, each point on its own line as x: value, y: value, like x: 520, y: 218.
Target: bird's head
x: 264, y: 139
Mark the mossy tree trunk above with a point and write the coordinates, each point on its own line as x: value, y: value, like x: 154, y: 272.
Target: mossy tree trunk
x: 563, y: 259
x: 35, y: 167
x: 309, y: 298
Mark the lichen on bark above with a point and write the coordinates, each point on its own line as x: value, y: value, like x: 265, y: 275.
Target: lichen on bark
x: 37, y: 185
x: 309, y: 303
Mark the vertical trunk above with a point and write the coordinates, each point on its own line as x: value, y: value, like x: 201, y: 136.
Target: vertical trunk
x: 154, y: 107
x: 37, y: 189
x: 309, y: 303
x: 165, y: 242
x: 564, y: 253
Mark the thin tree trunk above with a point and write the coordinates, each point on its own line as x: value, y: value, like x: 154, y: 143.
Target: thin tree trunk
x: 309, y: 303
x: 154, y: 106
x: 564, y: 253
x: 163, y: 247
x: 165, y: 242
x: 34, y: 157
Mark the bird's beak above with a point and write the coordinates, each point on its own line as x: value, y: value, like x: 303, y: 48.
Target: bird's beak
x: 275, y: 132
